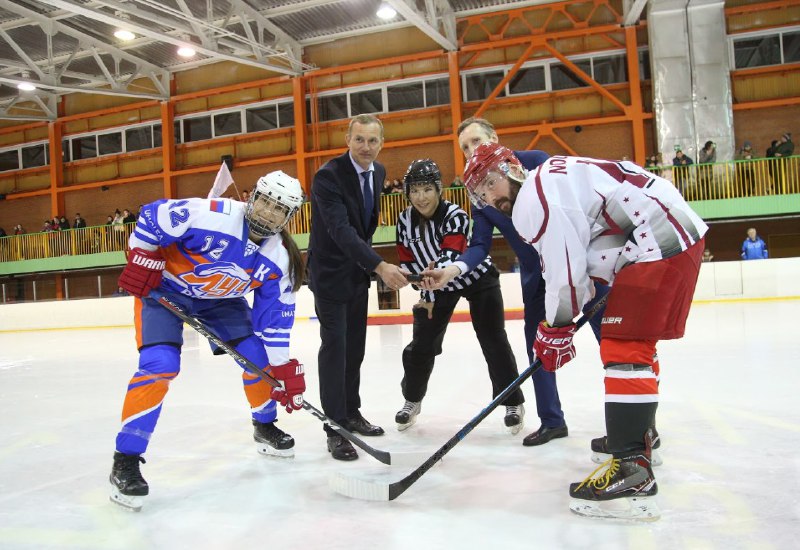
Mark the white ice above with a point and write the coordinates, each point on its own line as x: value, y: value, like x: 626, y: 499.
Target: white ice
x: 728, y: 419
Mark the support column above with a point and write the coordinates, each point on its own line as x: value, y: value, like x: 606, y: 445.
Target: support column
x: 635, y: 111
x: 168, y: 148
x: 55, y: 134
x: 299, y: 98
x: 455, y: 109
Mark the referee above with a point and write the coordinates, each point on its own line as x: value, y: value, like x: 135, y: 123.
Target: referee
x: 432, y: 232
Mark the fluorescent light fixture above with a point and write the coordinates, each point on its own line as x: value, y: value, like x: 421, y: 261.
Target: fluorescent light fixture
x: 124, y: 35
x: 385, y: 11
x: 186, y: 51
x: 26, y: 86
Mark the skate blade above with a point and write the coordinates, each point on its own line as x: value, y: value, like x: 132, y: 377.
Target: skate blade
x: 515, y: 429
x: 655, y: 458
x: 404, y: 427
x: 626, y: 509
x: 127, y: 502
x: 268, y: 450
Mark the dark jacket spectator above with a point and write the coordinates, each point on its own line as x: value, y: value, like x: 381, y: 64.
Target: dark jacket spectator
x: 3, y: 233
x: 128, y: 217
x: 708, y: 153
x: 63, y: 223
x: 785, y: 146
x: 79, y: 222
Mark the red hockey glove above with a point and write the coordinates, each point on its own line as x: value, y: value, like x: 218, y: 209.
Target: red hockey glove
x: 292, y: 376
x: 143, y: 272
x: 553, y: 345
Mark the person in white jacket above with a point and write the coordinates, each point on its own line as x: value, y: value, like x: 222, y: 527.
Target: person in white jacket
x: 613, y: 222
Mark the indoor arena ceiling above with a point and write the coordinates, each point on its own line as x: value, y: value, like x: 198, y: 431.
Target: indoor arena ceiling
x: 68, y: 46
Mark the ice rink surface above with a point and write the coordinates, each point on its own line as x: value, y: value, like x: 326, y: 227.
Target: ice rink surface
x: 728, y: 418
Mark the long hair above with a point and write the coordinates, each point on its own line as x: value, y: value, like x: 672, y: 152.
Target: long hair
x: 297, y: 267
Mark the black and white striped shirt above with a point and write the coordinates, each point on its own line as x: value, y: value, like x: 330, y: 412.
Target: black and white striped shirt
x: 441, y: 239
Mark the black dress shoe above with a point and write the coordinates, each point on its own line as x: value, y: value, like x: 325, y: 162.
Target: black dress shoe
x: 544, y: 434
x: 358, y: 424
x: 340, y: 448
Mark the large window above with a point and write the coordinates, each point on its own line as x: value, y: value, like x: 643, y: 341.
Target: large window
x: 108, y: 144
x: 562, y: 78
x: 369, y: 101
x: 610, y: 70
x: 84, y: 147
x: 196, y: 129
x: 757, y: 51
x: 9, y: 160
x: 480, y: 85
x: 790, y: 42
x: 405, y: 96
x: 332, y: 107
x: 528, y: 81
x: 285, y: 115
x: 261, y: 118
x: 437, y: 92
x: 226, y: 124
x: 139, y: 138
x: 35, y: 155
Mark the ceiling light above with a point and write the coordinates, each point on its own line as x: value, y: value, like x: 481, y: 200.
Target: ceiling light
x: 186, y: 51
x: 385, y: 11
x: 124, y: 35
x: 26, y: 86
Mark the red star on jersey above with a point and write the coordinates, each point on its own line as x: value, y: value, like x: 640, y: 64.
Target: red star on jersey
x: 643, y: 235
x: 626, y: 199
x: 636, y: 213
x: 627, y: 249
x: 602, y: 257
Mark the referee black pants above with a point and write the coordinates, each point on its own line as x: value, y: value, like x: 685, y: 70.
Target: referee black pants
x: 486, y: 308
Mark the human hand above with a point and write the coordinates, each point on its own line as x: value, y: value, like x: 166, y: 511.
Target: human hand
x: 292, y: 376
x: 434, y: 279
x: 393, y: 276
x: 553, y: 345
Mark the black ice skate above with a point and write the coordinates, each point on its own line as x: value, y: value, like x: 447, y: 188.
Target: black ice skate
x: 272, y: 441
x: 600, y: 452
x: 407, y: 416
x: 128, y: 487
x: 625, y: 490
x: 514, y: 419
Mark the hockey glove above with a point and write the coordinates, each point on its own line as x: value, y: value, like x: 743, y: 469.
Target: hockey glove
x: 143, y: 272
x: 292, y: 376
x: 553, y: 345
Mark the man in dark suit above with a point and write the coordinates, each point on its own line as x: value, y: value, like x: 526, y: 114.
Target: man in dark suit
x: 344, y: 212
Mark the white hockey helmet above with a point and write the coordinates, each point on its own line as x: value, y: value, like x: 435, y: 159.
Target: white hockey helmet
x: 274, y: 200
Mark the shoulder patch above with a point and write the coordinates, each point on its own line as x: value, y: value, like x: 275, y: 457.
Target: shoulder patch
x: 221, y: 207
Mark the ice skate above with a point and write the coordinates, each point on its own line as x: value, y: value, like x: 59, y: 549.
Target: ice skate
x: 407, y: 416
x: 128, y: 487
x: 600, y: 452
x: 272, y: 441
x: 625, y: 490
x: 514, y: 419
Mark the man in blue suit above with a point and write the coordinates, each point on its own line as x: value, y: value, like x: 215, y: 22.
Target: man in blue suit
x: 344, y: 211
x: 471, y: 133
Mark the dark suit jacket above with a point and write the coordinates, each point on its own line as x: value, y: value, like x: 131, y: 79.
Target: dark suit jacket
x: 340, y: 254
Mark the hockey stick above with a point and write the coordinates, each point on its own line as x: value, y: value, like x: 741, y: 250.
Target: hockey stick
x: 367, y: 490
x: 381, y: 456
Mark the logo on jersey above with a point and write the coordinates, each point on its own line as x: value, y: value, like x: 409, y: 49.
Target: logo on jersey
x: 217, y: 280
x: 250, y: 249
x: 611, y: 321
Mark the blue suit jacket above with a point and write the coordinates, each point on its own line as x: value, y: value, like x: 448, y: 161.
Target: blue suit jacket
x: 340, y: 254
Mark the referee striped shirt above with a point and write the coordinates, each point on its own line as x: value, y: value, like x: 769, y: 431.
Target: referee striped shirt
x: 441, y: 239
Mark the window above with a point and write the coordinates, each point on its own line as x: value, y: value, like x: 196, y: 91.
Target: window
x: 285, y: 115
x: 84, y: 147
x: 65, y: 150
x: 480, y: 85
x: 437, y: 92
x: 108, y: 144
x: 644, y: 65
x: 228, y: 123
x: 369, y: 101
x: 405, y: 96
x: 757, y: 51
x: 196, y: 129
x: 262, y: 118
x: 140, y: 138
x: 33, y: 156
x: 528, y: 81
x: 791, y: 47
x: 332, y: 107
x: 610, y: 70
x: 9, y: 160
x: 564, y: 79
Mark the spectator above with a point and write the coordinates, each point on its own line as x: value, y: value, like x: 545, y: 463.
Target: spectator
x: 651, y: 164
x: 388, y: 187
x: 744, y: 170
x: 707, y: 156
x: 770, y: 154
x: 245, y: 196
x: 117, y: 218
x: 63, y: 223
x: 128, y: 217
x: 109, y: 220
x: 3, y: 233
x: 48, y: 226
x: 707, y: 255
x: 79, y: 222
x: 785, y: 147
x: 754, y: 247
x: 457, y: 182
x: 680, y: 171
x: 19, y: 230
x: 708, y: 153
x: 56, y: 223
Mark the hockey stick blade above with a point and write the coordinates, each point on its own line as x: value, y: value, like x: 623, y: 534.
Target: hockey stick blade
x: 381, y: 456
x: 366, y: 490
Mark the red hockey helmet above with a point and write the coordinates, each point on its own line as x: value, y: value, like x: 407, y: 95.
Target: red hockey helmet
x: 487, y: 158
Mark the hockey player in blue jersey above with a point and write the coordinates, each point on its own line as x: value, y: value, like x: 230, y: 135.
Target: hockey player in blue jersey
x: 206, y: 255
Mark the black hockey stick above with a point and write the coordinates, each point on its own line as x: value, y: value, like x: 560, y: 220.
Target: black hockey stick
x: 381, y: 456
x: 367, y: 490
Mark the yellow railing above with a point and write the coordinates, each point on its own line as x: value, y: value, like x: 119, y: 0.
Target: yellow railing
x: 71, y: 242
x: 741, y: 178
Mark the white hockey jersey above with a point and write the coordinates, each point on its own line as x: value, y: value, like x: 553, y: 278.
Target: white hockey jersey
x: 589, y: 218
x: 209, y: 256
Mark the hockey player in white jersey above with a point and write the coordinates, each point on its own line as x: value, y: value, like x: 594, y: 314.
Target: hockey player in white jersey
x: 205, y: 255
x: 613, y: 222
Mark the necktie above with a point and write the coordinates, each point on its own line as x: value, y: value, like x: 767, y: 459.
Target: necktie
x: 368, y: 201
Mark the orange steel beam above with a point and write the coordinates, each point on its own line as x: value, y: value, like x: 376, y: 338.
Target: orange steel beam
x: 168, y: 149
x: 761, y: 7
x: 509, y: 75
x: 548, y: 130
x: 21, y: 127
x: 765, y: 103
x: 109, y: 111
x: 376, y: 63
x: 553, y: 36
x: 230, y: 88
x: 635, y: 86
x: 299, y: 98
x: 54, y: 132
x: 586, y: 78
x: 455, y: 108
x: 787, y: 68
